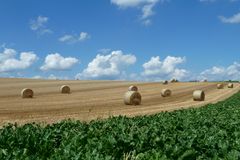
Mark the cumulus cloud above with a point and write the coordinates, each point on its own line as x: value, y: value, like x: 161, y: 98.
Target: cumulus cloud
x: 155, y: 69
x: 54, y: 77
x: 9, y: 62
x: 215, y: 73
x: 75, y: 38
x: 37, y: 77
x: 111, y: 66
x: 146, y: 7
x: 51, y: 77
x: 57, y: 62
x: 234, y: 19
x: 39, y: 25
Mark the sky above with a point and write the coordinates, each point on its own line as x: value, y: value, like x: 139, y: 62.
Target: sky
x: 139, y: 40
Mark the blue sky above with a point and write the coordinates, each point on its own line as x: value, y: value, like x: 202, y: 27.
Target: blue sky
x: 120, y: 39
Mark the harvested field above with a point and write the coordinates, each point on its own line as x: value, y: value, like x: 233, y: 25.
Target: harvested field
x: 96, y: 99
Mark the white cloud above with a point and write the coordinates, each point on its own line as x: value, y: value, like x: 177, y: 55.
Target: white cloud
x: 39, y: 25
x: 8, y: 61
x: 51, y: 77
x: 146, y: 7
x: 37, y: 77
x: 111, y: 66
x: 155, y: 69
x: 7, y: 54
x: 75, y: 38
x: 215, y: 73
x: 104, y: 50
x: 132, y: 3
x: 57, y: 62
x: 234, y: 19
x: 147, y: 10
x: 83, y: 36
x: 67, y: 38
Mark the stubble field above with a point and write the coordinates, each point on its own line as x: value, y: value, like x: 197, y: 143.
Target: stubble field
x: 96, y: 99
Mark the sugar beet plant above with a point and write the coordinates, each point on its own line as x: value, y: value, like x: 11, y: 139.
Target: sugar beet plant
x: 209, y: 132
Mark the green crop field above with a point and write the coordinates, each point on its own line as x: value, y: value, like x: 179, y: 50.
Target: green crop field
x: 209, y: 132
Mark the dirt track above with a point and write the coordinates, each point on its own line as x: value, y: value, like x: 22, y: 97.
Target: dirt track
x: 95, y: 99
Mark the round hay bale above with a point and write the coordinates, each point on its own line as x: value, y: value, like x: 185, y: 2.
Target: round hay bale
x: 133, y: 88
x: 27, y: 93
x: 165, y: 82
x: 166, y: 92
x: 220, y: 86
x: 230, y: 85
x: 198, y: 95
x: 65, y: 89
x: 132, y: 98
